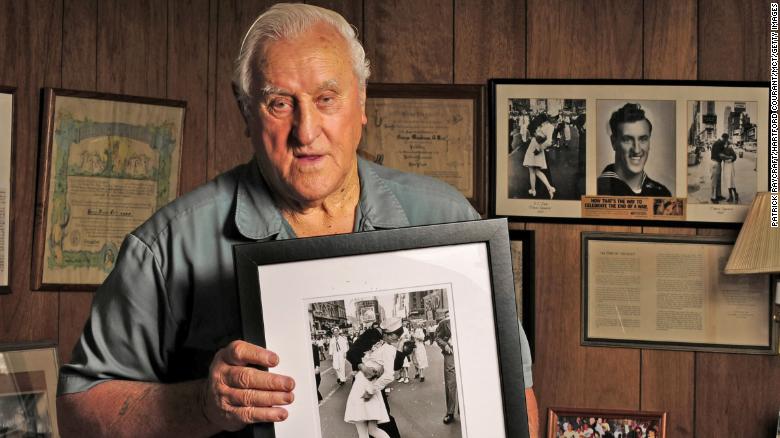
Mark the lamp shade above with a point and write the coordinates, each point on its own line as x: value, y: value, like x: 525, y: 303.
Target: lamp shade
x: 757, y: 249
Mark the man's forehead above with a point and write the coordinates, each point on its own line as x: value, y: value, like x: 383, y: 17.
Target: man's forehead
x: 636, y: 126
x: 269, y: 89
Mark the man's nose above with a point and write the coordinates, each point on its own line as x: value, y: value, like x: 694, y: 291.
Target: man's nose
x: 307, y: 123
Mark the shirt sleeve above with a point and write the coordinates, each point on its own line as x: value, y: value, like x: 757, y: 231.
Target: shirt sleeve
x: 525, y: 352
x: 129, y: 320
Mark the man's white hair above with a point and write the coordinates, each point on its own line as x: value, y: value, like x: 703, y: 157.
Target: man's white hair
x: 286, y: 21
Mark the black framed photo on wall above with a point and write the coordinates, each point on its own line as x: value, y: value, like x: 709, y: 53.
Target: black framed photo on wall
x: 434, y: 130
x: 671, y: 292
x: 7, y: 115
x: 675, y: 152
x: 456, y: 276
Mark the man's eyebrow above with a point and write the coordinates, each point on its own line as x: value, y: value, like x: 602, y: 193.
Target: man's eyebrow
x: 272, y: 89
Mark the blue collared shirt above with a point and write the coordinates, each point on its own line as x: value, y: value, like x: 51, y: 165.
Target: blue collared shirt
x: 170, y: 302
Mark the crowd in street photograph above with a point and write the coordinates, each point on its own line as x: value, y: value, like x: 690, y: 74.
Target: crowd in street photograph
x: 385, y: 376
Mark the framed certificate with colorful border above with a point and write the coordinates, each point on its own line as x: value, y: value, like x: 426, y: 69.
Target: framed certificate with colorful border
x: 107, y: 163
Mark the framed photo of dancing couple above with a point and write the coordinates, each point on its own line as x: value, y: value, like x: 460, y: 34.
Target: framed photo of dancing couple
x: 674, y: 152
x: 108, y: 163
x: 577, y: 422
x: 411, y: 330
x: 670, y: 292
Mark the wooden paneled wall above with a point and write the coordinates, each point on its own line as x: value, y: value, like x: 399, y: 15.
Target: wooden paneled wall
x: 183, y: 49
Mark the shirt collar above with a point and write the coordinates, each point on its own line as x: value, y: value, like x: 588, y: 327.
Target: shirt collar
x: 379, y: 206
x: 257, y: 217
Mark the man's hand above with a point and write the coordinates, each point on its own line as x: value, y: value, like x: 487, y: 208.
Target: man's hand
x: 237, y: 394
x: 448, y: 349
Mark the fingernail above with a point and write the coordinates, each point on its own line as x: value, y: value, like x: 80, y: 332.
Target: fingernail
x: 274, y: 359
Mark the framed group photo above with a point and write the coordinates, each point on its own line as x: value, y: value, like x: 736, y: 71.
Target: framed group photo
x: 107, y: 163
x: 434, y: 130
x: 670, y: 292
x: 673, y: 151
x: 452, y: 282
x: 28, y: 390
x: 577, y: 422
x: 6, y: 182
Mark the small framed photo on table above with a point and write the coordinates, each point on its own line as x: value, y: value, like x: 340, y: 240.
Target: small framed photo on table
x: 456, y: 278
x: 28, y: 390
x: 577, y: 422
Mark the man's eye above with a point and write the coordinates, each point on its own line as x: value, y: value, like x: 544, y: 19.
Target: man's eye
x: 279, y: 105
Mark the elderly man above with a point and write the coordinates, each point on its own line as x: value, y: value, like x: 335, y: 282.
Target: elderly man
x: 160, y: 354
x: 630, y: 138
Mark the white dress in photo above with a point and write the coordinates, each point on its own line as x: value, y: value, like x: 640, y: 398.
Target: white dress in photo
x: 373, y: 409
x: 420, y: 355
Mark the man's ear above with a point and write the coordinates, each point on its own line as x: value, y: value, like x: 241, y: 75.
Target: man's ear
x: 613, y: 142
x: 362, y: 96
x: 241, y: 106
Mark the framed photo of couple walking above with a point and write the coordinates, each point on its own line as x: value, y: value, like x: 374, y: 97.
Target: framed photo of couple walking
x: 363, y: 310
x: 682, y: 152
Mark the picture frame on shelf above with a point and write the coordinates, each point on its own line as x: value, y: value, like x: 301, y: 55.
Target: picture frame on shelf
x: 627, y: 151
x: 460, y: 272
x: 108, y: 162
x: 561, y: 422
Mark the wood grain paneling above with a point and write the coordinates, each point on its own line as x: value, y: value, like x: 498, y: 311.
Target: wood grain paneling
x: 79, y: 72
x: 489, y: 41
x: 565, y: 372
x: 351, y: 10
x: 668, y: 386
x: 31, y: 48
x: 734, y: 40
x: 231, y: 146
x: 737, y: 394
x: 409, y: 40
x: 187, y: 79
x: 569, y: 39
x: 670, y: 39
x: 132, y: 47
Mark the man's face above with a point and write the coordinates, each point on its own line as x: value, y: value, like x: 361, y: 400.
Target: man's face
x: 306, y: 115
x: 631, y: 144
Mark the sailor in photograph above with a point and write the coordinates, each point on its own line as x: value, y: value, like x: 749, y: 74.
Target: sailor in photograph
x: 444, y: 340
x: 630, y: 132
x: 338, y: 351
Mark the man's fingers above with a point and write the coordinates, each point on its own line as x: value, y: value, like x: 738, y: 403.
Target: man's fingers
x: 241, y: 353
x: 260, y: 415
x: 254, y: 398
x: 250, y: 378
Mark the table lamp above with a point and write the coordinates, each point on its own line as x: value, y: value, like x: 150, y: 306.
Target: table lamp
x: 757, y: 250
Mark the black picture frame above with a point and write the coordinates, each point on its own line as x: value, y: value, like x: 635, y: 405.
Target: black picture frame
x: 661, y: 309
x: 492, y: 235
x: 578, y: 167
x: 525, y: 281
